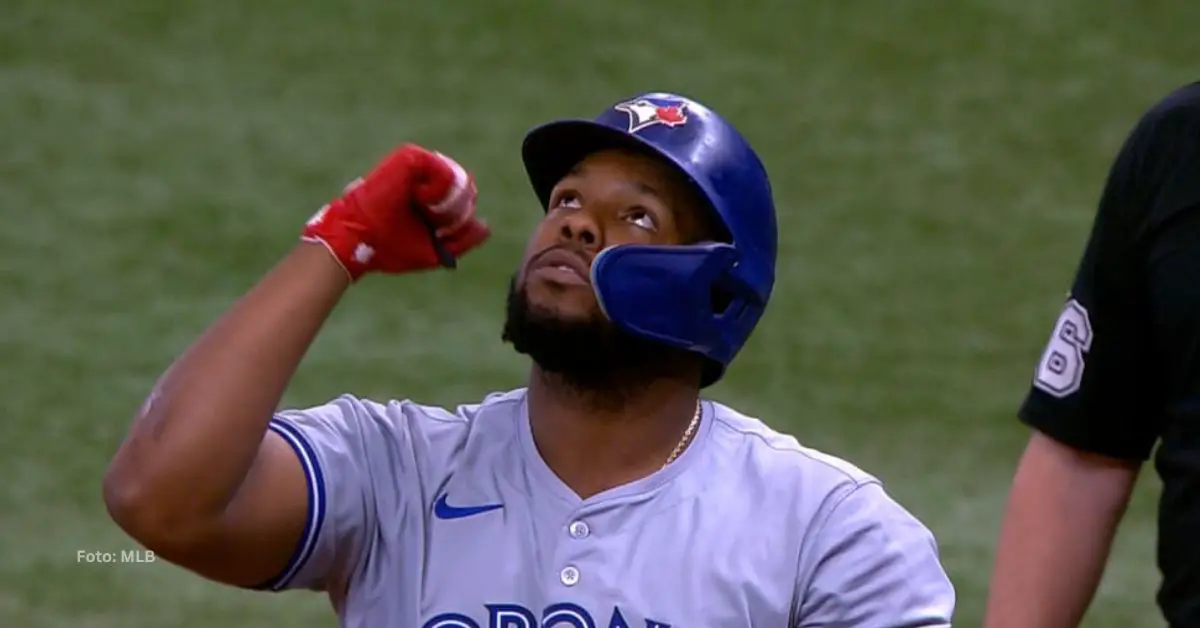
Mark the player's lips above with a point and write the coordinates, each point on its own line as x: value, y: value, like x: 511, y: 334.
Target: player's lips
x: 561, y: 266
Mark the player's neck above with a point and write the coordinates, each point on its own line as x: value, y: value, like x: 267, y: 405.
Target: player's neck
x: 592, y: 448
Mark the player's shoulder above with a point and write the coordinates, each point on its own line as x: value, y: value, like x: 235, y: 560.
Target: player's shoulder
x: 782, y: 481
x: 781, y: 456
x: 498, y: 402
x: 351, y: 411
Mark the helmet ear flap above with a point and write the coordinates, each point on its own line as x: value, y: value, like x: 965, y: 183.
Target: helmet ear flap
x: 665, y: 292
x: 735, y: 309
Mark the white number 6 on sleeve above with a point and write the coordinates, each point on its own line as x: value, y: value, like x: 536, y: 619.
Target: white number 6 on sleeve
x: 1060, y: 371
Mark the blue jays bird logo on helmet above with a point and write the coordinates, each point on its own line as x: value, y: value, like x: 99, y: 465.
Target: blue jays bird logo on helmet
x: 705, y: 297
x: 644, y: 112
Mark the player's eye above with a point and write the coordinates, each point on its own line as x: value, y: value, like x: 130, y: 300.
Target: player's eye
x: 567, y: 200
x: 643, y: 219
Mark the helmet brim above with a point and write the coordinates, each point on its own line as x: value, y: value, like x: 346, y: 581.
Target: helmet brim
x: 550, y: 152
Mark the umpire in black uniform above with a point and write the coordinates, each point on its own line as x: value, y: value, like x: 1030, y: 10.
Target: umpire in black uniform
x: 1120, y: 374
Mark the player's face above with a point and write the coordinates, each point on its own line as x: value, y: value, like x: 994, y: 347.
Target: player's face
x: 553, y: 317
x: 612, y: 197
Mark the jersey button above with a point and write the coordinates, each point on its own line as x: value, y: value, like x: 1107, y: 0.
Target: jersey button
x: 569, y: 576
x: 579, y: 530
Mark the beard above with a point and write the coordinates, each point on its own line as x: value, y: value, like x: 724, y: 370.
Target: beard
x: 594, y: 358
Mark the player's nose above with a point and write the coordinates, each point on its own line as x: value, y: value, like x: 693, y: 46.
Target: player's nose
x: 583, y: 230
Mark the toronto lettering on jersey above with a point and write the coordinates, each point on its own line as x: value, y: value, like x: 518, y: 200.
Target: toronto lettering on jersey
x: 563, y: 615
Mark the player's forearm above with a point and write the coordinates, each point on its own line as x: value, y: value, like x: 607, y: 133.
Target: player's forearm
x: 1056, y: 536
x: 197, y: 434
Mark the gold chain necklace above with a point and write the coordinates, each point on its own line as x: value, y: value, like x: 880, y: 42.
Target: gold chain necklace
x: 687, y: 437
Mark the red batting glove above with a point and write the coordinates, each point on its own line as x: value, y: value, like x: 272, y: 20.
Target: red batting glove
x: 413, y: 212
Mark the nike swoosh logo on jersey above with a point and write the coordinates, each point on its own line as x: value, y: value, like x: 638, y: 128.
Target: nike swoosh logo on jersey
x: 442, y: 510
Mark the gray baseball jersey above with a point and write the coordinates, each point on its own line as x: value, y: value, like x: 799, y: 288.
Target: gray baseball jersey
x: 423, y: 517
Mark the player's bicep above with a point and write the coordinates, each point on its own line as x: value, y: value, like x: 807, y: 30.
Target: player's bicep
x: 256, y: 539
x: 307, y: 511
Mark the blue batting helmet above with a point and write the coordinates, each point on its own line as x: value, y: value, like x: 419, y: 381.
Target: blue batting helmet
x: 705, y: 297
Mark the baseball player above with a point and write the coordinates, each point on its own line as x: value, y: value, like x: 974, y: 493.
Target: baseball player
x: 606, y: 493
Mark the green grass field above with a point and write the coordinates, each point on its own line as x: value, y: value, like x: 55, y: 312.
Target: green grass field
x: 936, y: 168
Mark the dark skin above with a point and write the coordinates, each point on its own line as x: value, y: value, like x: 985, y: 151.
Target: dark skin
x: 201, y: 482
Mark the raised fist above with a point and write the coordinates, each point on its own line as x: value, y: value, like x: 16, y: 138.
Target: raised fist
x: 415, y: 211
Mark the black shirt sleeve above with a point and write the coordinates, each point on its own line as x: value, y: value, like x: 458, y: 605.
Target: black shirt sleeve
x: 1127, y: 337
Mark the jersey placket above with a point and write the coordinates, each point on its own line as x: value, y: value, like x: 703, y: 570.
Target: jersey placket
x: 571, y: 554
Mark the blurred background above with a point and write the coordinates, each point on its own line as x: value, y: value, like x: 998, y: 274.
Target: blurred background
x: 936, y: 166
